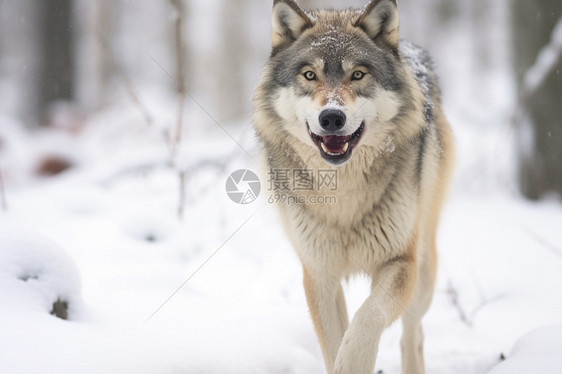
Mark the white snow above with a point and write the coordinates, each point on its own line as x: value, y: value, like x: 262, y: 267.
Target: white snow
x: 34, y: 274
x: 221, y: 290
x: 538, y: 352
x: 244, y: 311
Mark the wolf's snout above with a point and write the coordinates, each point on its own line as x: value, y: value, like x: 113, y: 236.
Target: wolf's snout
x: 332, y: 119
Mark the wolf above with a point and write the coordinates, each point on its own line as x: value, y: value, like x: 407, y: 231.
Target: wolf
x: 342, y: 92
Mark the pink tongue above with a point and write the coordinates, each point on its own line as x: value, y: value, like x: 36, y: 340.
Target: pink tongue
x: 335, y: 143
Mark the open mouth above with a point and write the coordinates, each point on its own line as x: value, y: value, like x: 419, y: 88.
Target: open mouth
x: 337, y: 149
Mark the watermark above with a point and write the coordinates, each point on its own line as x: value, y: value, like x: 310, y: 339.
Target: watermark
x: 283, y: 198
x: 302, y: 180
x: 243, y: 186
x: 286, y: 186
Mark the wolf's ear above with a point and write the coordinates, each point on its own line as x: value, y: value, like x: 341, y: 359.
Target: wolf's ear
x: 380, y: 21
x: 289, y: 22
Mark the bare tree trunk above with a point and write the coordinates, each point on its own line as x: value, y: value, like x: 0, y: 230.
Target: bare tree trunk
x: 103, y: 10
x: 93, y: 19
x: 56, y: 78
x: 234, y: 47
x: 539, y: 117
x: 480, y: 13
x: 532, y: 23
x: 19, y: 61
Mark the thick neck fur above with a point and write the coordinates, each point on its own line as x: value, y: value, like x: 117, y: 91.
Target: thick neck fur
x: 363, y: 183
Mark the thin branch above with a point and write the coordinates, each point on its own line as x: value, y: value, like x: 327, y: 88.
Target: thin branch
x: 468, y: 319
x: 181, y: 200
x: 179, y: 123
x: 171, y: 145
x: 484, y: 303
x: 202, y: 107
x: 180, y: 81
x: 136, y: 169
x: 453, y: 295
x: 3, y: 200
x: 218, y: 164
x: 557, y: 251
x: 126, y: 81
x: 143, y: 109
x: 180, y: 66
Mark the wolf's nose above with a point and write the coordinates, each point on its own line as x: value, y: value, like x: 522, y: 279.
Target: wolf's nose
x: 332, y: 119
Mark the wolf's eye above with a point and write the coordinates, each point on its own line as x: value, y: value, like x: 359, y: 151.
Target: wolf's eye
x: 357, y: 75
x: 310, y: 76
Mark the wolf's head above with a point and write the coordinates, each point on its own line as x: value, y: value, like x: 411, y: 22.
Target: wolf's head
x: 335, y: 79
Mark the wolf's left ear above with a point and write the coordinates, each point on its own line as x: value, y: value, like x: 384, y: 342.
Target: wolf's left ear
x: 289, y: 22
x: 380, y: 21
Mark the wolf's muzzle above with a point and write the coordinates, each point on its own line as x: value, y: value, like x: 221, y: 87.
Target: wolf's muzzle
x: 332, y: 120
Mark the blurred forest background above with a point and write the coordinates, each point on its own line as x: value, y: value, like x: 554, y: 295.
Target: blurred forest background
x: 121, y: 120
x: 63, y: 62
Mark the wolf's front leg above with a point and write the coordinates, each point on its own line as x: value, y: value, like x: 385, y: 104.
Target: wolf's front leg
x: 391, y: 290
x: 326, y: 303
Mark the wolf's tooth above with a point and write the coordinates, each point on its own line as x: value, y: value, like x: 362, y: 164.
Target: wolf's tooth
x: 325, y: 149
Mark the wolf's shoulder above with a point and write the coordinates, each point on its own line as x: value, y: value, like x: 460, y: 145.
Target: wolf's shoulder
x: 419, y: 61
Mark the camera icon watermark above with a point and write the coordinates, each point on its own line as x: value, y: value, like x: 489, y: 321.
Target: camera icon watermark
x: 243, y: 186
x: 286, y: 186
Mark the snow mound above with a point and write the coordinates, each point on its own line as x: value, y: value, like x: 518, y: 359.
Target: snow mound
x: 538, y: 352
x: 36, y: 275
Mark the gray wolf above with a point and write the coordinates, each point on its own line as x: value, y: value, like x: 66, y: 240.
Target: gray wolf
x: 342, y: 92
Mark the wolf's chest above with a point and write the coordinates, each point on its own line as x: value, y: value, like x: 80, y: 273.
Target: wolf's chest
x: 355, y: 232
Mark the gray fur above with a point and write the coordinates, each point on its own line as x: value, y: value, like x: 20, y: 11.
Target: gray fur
x: 334, y: 47
x: 389, y: 191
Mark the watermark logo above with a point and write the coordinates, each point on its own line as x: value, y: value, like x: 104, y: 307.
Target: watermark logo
x: 298, y: 186
x: 287, y: 186
x: 243, y: 186
x: 302, y: 180
x: 290, y: 199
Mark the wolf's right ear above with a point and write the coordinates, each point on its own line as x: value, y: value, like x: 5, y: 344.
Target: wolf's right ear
x: 380, y: 21
x: 289, y: 22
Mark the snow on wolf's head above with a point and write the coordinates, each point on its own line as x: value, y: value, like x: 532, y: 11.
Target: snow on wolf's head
x: 335, y: 79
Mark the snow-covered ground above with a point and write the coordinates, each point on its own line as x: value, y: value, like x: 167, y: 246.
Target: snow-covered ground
x: 220, y: 291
